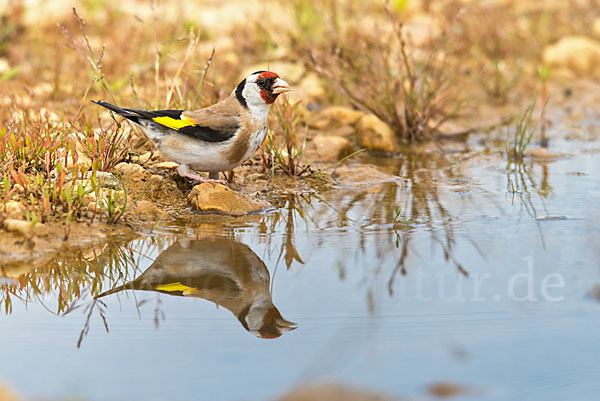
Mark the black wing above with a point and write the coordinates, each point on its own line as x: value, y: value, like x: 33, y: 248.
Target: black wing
x: 208, y: 134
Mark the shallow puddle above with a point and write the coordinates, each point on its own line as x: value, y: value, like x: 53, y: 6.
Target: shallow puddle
x: 462, y: 272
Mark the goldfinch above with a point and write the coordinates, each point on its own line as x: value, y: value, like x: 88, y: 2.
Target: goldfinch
x: 222, y: 271
x: 216, y: 138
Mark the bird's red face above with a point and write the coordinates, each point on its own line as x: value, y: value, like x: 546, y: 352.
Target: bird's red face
x: 271, y: 86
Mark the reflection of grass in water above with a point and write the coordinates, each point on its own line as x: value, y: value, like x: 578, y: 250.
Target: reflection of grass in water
x: 293, y: 211
x: 75, y: 280
x: 387, y: 218
x: 398, y: 211
x: 520, y: 183
x: 69, y: 276
x: 97, y: 304
x: 420, y: 201
x: 517, y: 181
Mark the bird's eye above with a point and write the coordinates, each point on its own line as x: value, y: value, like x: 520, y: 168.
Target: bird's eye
x: 260, y: 81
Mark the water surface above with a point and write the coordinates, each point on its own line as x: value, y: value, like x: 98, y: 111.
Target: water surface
x: 481, y: 279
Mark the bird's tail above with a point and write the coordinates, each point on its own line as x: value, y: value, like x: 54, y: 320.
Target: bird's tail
x: 127, y: 113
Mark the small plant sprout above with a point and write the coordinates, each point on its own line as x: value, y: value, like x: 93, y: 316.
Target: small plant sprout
x: 286, y: 157
x: 398, y: 218
x: 106, y: 147
x: 113, y: 203
x: 544, y: 73
x: 519, y: 136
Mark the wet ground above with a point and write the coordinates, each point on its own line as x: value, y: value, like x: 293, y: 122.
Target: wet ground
x: 461, y: 272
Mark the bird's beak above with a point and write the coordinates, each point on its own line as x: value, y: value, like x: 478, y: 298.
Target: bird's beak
x: 280, y: 86
x: 286, y: 325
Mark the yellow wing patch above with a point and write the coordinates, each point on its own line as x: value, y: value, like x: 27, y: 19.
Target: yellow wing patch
x: 175, y: 287
x: 173, y: 123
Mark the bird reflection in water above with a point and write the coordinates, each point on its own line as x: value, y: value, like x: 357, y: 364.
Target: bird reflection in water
x: 222, y: 271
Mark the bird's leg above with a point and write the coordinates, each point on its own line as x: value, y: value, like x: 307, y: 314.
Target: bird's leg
x: 229, y: 175
x: 184, y: 171
x: 214, y: 178
x: 196, y: 177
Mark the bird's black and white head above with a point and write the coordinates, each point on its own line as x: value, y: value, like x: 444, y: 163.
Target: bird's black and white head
x: 260, y: 89
x: 265, y: 321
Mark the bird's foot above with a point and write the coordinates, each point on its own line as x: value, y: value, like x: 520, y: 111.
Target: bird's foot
x: 198, y: 178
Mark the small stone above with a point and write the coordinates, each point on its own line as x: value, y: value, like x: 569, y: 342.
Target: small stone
x: 148, y: 210
x: 91, y: 197
x: 82, y: 161
x: 92, y: 206
x: 346, y: 131
x: 130, y: 170
x: 14, y: 209
x: 332, y: 392
x: 167, y: 165
x: 595, y: 292
x: 596, y: 27
x: 157, y: 179
x: 103, y: 180
x: 161, y: 187
x: 447, y: 390
x: 374, y: 134
x: 4, y: 65
x: 330, y: 148
x: 361, y: 175
x: 310, y: 89
x: 333, y: 117
x: 114, y: 194
x: 578, y: 53
x: 544, y: 153
x: 7, y: 393
x: 107, y: 180
x: 23, y: 227
x: 217, y: 198
x: 143, y: 158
